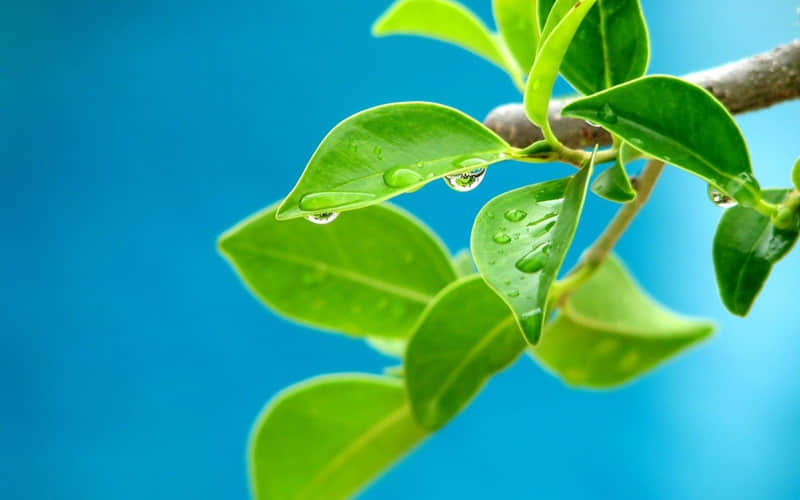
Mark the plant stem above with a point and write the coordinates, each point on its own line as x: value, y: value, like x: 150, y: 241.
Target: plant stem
x: 597, y: 253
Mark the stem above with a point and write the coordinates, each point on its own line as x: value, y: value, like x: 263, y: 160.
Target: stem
x: 597, y: 253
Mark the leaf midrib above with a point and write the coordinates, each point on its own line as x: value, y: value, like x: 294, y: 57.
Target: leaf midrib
x: 748, y: 258
x: 690, y: 329
x: 362, y: 279
x: 471, y: 354
x: 354, y: 447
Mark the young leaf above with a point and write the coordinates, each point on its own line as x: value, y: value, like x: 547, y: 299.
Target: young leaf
x: 614, y: 184
x: 466, y: 335
x: 518, y: 25
x: 552, y: 47
x: 519, y: 242
x: 464, y: 264
x: 330, y: 436
x: 388, y: 150
x: 746, y: 246
x: 796, y: 174
x: 443, y: 20
x: 609, y: 332
x: 610, y: 47
x: 679, y: 123
x: 369, y: 273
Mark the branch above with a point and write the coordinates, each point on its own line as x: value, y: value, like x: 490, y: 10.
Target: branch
x: 747, y: 85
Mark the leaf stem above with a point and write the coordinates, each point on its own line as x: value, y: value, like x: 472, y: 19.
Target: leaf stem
x: 596, y: 254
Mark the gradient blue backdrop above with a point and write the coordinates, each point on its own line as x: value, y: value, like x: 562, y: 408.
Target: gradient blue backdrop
x: 132, y: 362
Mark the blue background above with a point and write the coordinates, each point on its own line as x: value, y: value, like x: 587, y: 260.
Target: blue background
x: 132, y: 362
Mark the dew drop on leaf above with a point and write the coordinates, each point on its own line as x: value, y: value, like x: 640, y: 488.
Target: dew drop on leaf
x: 501, y: 238
x: 719, y: 198
x: 608, y: 114
x: 466, y: 181
x: 323, y: 218
x: 515, y: 215
x: 534, y: 261
x: 513, y: 293
x: 400, y: 177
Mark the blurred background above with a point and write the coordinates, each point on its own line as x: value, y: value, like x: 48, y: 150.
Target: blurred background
x: 132, y: 361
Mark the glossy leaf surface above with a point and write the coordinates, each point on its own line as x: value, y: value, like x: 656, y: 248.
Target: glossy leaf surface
x: 609, y: 332
x: 466, y: 335
x: 370, y: 272
x: 519, y: 242
x: 796, y: 174
x: 552, y: 48
x: 679, y: 123
x: 746, y: 246
x: 518, y: 26
x: 610, y: 47
x: 443, y: 20
x: 328, y: 437
x: 613, y: 183
x: 388, y: 150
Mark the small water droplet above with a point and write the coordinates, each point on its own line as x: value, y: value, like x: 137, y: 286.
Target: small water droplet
x: 543, y: 230
x: 501, y: 238
x: 400, y: 177
x: 513, y: 293
x: 353, y: 146
x: 323, y: 218
x: 534, y: 261
x: 466, y: 181
x: 608, y: 114
x: 490, y: 216
x: 515, y: 215
x: 377, y: 150
x: 323, y: 201
x: 637, y: 141
x: 719, y: 198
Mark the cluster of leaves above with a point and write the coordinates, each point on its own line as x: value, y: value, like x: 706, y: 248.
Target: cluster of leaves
x: 379, y: 274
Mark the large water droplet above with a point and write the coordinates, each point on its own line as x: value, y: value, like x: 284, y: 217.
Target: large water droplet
x: 719, y: 198
x: 538, y: 233
x: 513, y: 293
x: 313, y: 202
x: 466, y: 181
x: 608, y: 114
x: 534, y: 261
x: 515, y: 215
x: 400, y: 177
x: 501, y: 238
x: 532, y: 322
x: 323, y: 218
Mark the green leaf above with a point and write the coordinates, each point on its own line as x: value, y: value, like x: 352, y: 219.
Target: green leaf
x: 447, y: 21
x: 519, y: 27
x: 369, y: 273
x: 519, y: 242
x: 393, y: 348
x: 610, y: 47
x: 330, y: 436
x: 614, y: 184
x: 609, y: 332
x: 746, y: 246
x: 466, y: 335
x: 796, y: 174
x: 678, y: 123
x: 388, y: 150
x: 552, y: 48
x: 464, y: 264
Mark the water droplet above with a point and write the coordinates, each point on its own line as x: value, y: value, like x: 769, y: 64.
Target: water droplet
x: 534, y: 261
x: 327, y: 200
x: 513, y: 293
x: 515, y: 215
x: 353, y: 146
x: 542, y: 219
x: 378, y: 151
x: 637, y: 141
x: 400, y: 177
x: 466, y: 181
x: 473, y: 163
x: 719, y: 198
x: 323, y: 218
x: 543, y: 230
x: 501, y: 238
x: 608, y: 115
x: 532, y: 322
